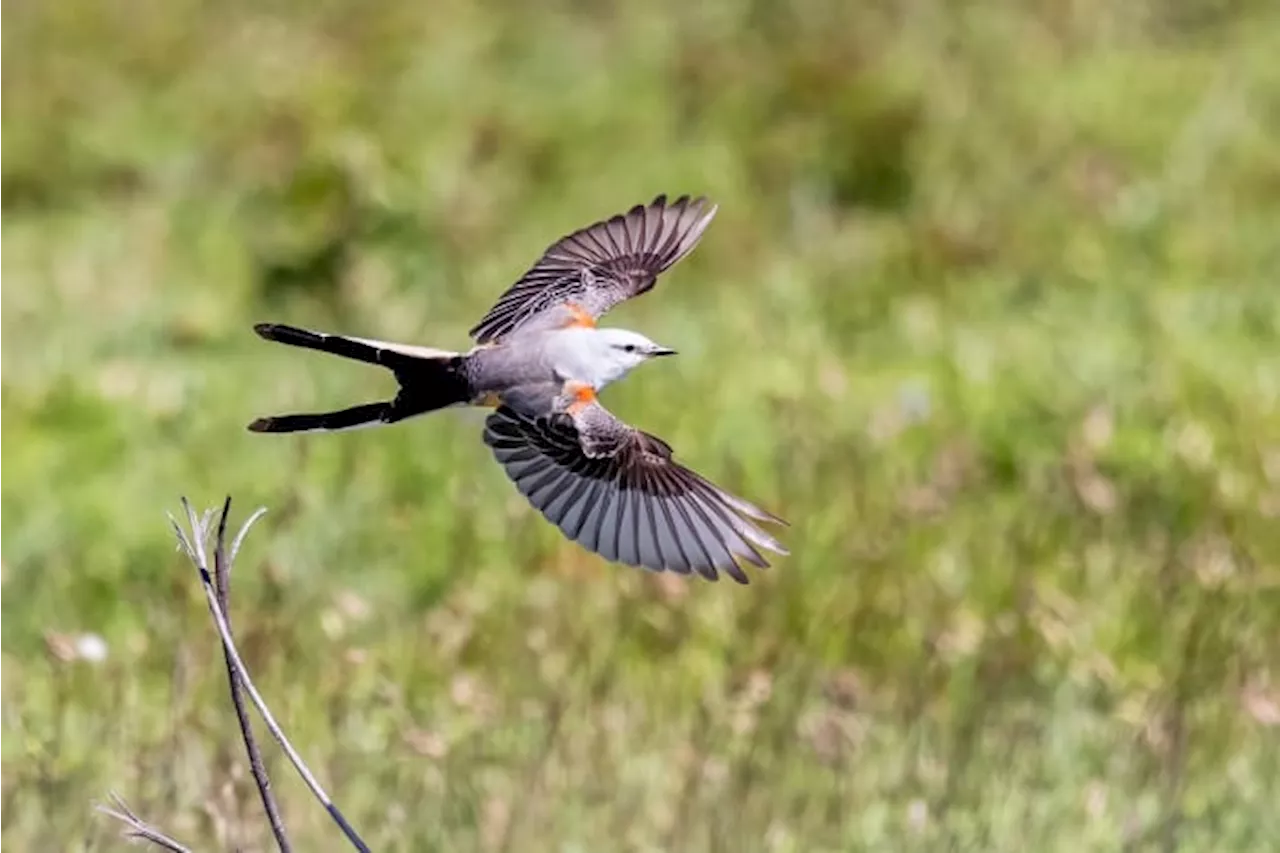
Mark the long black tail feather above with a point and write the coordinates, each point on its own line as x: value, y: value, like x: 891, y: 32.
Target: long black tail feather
x: 356, y: 416
x: 429, y: 380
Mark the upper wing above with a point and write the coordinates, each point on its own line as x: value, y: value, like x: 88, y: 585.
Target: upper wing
x: 617, y: 491
x: 601, y: 265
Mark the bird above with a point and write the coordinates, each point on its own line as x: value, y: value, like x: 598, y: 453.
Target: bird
x: 539, y: 362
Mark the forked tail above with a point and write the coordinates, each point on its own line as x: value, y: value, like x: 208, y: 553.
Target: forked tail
x: 429, y: 379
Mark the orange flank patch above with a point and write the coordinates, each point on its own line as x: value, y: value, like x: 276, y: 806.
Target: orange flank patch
x: 579, y: 317
x: 583, y: 395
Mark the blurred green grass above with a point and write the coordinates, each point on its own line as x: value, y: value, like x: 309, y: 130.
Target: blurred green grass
x: 989, y: 312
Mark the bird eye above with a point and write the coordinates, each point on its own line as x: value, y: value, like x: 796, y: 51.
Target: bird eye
x: 629, y: 348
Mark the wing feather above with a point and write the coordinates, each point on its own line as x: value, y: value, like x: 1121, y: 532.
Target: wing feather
x: 628, y: 527
x: 664, y: 546
x: 599, y: 266
x: 721, y: 534
x: 538, y: 476
x: 692, y: 554
x: 719, y: 557
x: 686, y: 530
x: 619, y: 492
x: 543, y: 493
x: 610, y: 524
x: 590, y: 501
x: 748, y: 533
x: 568, y: 505
x: 665, y: 529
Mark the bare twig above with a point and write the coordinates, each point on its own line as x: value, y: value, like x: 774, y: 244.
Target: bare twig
x: 222, y: 578
x: 136, y: 827
x: 194, y: 546
x: 216, y: 592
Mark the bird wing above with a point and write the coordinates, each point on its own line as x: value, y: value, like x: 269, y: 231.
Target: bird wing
x: 597, y: 267
x: 617, y: 491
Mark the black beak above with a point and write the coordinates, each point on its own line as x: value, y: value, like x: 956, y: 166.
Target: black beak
x: 662, y: 351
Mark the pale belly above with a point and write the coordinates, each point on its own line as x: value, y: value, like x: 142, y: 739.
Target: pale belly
x: 575, y: 354
x: 531, y: 370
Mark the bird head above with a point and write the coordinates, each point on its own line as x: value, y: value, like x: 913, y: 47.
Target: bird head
x: 621, y: 351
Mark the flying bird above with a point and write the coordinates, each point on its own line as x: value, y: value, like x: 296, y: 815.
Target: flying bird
x: 539, y: 361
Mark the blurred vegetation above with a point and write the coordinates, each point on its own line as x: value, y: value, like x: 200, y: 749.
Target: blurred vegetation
x: 989, y: 312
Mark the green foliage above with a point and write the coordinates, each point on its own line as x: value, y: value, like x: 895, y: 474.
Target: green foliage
x: 989, y: 313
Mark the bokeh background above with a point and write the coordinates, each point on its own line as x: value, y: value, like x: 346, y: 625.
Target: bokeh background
x: 989, y: 311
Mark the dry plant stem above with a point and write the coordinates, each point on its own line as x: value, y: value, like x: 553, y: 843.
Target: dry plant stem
x: 137, y: 827
x: 222, y: 579
x: 195, y: 549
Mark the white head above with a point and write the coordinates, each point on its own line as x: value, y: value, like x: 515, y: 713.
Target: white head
x: 616, y: 352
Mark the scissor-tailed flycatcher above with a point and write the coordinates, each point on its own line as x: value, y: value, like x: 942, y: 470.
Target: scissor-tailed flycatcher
x: 540, y: 360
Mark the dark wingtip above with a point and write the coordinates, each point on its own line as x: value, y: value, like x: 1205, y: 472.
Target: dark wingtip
x: 260, y: 425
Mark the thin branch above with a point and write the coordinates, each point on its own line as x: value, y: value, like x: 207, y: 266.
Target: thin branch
x: 222, y: 578
x: 136, y: 827
x: 195, y: 549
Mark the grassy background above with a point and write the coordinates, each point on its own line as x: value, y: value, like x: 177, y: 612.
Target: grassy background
x: 990, y: 312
